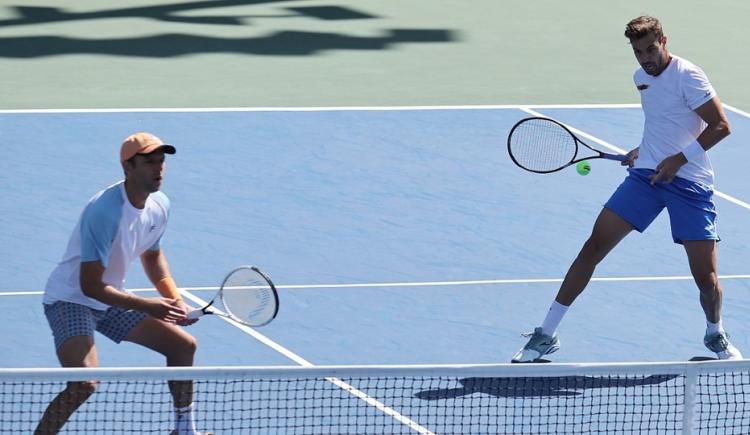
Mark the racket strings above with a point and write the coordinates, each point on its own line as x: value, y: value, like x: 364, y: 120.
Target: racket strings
x: 264, y: 297
x: 247, y: 296
x: 542, y: 145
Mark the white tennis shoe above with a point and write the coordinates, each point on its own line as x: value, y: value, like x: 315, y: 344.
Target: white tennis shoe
x: 539, y: 344
x: 719, y: 343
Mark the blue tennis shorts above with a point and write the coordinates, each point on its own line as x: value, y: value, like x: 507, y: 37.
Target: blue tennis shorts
x: 692, y: 214
x: 68, y: 320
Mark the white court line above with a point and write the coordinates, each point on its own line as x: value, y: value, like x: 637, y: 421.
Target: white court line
x: 605, y: 144
x: 340, y: 108
x: 737, y: 111
x: 497, y: 282
x: 430, y: 283
x: 303, y: 362
x: 320, y: 109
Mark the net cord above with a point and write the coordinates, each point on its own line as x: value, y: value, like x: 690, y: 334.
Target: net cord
x: 688, y: 369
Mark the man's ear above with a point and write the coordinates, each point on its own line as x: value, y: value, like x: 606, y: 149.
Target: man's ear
x: 127, y: 165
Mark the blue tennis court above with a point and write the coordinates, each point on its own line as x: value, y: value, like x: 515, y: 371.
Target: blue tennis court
x: 356, y: 152
x: 396, y: 235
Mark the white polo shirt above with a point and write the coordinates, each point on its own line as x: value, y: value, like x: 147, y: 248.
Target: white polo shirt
x: 669, y: 101
x: 113, y: 232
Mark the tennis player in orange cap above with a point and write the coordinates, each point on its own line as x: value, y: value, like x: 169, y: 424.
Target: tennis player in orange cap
x: 86, y: 291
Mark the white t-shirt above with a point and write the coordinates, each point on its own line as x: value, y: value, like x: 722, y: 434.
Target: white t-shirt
x: 669, y: 101
x: 113, y: 232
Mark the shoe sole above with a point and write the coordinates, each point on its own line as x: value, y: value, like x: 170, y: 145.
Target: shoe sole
x: 552, y: 349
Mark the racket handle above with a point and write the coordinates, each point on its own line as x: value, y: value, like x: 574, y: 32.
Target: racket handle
x: 618, y: 157
x: 195, y: 314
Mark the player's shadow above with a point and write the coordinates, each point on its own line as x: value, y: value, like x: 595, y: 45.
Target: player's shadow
x: 177, y: 13
x: 285, y: 43
x: 538, y: 386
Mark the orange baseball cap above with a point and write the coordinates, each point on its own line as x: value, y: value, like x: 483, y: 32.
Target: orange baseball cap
x: 143, y: 143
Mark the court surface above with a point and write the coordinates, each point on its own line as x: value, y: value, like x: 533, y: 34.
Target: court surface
x: 396, y: 235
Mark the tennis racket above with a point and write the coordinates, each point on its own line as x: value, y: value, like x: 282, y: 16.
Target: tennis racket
x: 543, y: 145
x: 248, y: 295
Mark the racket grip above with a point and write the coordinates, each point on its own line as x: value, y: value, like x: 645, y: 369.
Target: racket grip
x: 618, y: 157
x: 195, y: 314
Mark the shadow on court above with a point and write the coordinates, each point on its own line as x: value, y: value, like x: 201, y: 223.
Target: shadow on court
x: 538, y: 386
x: 281, y: 43
x: 286, y: 43
x: 32, y: 15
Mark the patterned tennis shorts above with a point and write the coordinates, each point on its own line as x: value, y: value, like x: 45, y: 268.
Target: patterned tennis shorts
x: 74, y: 320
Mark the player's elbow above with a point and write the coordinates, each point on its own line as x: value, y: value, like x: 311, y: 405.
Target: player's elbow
x: 90, y: 287
x: 89, y: 291
x: 90, y: 279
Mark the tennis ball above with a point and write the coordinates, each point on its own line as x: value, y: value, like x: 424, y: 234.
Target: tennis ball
x: 583, y: 167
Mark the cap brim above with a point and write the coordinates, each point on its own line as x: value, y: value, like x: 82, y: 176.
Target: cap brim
x: 166, y: 149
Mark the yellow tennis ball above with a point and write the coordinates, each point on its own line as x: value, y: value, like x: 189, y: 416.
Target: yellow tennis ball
x: 583, y: 167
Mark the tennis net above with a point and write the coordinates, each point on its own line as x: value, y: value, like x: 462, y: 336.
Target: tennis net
x: 703, y: 397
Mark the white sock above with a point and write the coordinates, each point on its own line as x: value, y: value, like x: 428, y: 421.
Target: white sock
x: 554, y: 317
x: 713, y: 328
x: 184, y: 422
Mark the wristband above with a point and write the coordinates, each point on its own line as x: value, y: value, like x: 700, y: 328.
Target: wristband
x: 693, y: 151
x: 168, y: 288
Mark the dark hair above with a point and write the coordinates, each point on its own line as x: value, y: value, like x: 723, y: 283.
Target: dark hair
x: 639, y: 27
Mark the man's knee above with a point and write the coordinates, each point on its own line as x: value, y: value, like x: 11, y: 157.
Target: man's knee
x: 707, y: 282
x: 592, y: 252
x: 184, y: 346
x: 191, y: 345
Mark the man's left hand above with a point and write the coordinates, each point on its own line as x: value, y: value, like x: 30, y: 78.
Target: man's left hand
x: 187, y: 322
x: 667, y: 169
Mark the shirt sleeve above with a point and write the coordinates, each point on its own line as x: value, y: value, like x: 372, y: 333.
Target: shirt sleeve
x: 156, y: 246
x: 696, y: 89
x: 98, y: 231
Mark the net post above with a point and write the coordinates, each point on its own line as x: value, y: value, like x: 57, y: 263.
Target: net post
x: 688, y: 407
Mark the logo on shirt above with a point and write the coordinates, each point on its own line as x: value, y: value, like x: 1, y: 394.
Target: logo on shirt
x: 153, y: 227
x: 642, y: 87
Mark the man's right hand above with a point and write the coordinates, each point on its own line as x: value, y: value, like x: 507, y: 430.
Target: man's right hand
x: 631, y: 157
x: 168, y: 310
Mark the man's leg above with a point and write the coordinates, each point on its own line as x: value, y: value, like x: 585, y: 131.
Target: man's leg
x: 175, y: 344
x: 609, y: 229
x: 74, y: 352
x: 179, y: 348
x: 702, y: 257
x: 635, y: 204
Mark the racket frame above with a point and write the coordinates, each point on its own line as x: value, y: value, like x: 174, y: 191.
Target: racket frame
x: 220, y: 295
x: 577, y: 141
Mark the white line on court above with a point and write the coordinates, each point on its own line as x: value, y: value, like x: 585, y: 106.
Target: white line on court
x: 429, y: 283
x: 340, y: 108
x: 737, y: 111
x: 320, y: 109
x: 303, y: 362
x: 585, y: 135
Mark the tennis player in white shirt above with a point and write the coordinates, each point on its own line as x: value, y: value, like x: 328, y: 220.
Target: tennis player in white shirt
x: 670, y: 169
x: 86, y: 291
